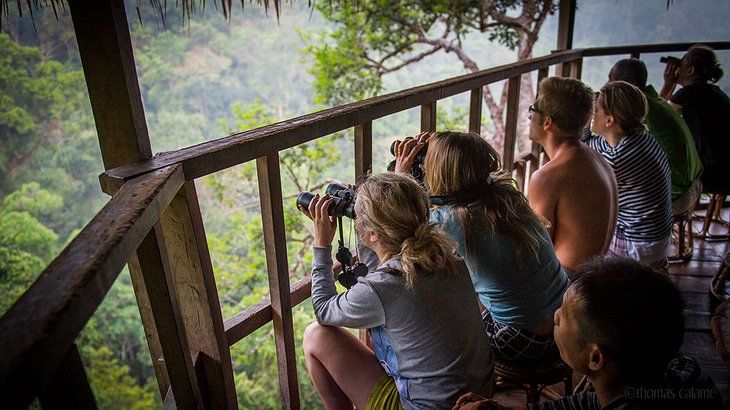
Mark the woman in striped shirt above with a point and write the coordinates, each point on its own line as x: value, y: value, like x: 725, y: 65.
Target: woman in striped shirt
x: 644, y: 226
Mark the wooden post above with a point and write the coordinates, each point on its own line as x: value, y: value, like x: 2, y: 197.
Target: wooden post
x: 363, y: 150
x: 576, y: 68
x: 106, y: 54
x: 475, y: 111
x: 272, y: 214
x: 196, y: 293
x: 428, y: 117
x: 510, y: 129
x: 566, y: 25
x: 536, y: 148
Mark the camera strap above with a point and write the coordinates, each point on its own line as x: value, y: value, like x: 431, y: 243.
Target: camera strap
x: 350, y: 272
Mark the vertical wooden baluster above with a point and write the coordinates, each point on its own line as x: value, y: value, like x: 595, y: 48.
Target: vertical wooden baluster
x: 537, y: 148
x: 363, y: 150
x: 272, y: 214
x: 510, y: 129
x: 576, y: 68
x: 428, y: 117
x: 210, y: 340
x: 520, y: 169
x: 475, y: 111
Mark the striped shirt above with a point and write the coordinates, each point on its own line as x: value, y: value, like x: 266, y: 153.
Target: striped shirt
x: 644, y: 186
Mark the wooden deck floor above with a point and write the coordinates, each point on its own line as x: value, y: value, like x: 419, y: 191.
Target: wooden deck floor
x: 693, y: 279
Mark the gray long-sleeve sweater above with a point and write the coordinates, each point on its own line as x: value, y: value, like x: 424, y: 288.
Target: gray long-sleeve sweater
x: 430, y: 339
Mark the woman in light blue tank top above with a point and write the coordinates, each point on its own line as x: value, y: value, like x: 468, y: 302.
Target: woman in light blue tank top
x: 505, y: 245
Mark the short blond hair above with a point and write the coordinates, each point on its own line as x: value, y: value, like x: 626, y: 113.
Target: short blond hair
x: 568, y: 102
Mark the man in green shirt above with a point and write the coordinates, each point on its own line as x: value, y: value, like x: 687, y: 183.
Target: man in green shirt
x: 670, y: 132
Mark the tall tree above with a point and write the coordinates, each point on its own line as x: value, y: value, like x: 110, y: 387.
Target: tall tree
x: 376, y: 37
x: 37, y: 96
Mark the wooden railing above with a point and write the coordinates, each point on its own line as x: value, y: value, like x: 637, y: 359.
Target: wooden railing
x: 39, y: 357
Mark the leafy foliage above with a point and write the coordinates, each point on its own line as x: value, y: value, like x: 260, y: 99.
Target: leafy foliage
x: 36, y: 96
x: 374, y: 38
x: 112, y: 385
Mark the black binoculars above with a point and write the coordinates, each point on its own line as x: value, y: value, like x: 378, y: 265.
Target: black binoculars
x: 343, y: 201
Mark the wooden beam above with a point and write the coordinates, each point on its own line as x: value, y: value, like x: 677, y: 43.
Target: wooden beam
x: 213, y: 156
x: 566, y: 24
x: 428, y: 117
x: 70, y: 289
x: 106, y: 54
x: 648, y: 48
x: 576, y: 68
x: 363, y: 150
x: 159, y: 282
x: 175, y: 253
x: 193, y: 286
x: 272, y: 215
x: 105, y: 48
x: 69, y: 387
x: 213, y: 343
x: 510, y: 128
x: 475, y: 111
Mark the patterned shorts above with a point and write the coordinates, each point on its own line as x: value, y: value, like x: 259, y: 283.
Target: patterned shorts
x: 643, y: 252
x: 511, y: 343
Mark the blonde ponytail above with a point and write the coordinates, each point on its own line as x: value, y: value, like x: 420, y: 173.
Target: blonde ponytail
x: 428, y: 250
x: 395, y: 206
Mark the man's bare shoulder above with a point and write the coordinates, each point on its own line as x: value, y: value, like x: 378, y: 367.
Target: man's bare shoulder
x: 573, y: 162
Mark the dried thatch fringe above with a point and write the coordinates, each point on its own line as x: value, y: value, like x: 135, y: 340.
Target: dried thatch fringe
x: 158, y: 7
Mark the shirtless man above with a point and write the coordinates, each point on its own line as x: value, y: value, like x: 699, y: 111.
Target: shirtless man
x: 576, y: 190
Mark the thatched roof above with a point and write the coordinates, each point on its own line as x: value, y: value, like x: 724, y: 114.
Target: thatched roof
x: 158, y: 7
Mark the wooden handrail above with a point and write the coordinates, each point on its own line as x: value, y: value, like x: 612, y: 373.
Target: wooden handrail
x: 40, y: 328
x: 216, y: 155
x: 649, y: 48
x: 213, y: 156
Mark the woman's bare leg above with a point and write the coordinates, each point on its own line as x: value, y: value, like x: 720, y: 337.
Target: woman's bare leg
x: 344, y: 371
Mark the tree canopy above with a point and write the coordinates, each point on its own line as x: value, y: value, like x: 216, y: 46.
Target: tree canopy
x: 375, y: 37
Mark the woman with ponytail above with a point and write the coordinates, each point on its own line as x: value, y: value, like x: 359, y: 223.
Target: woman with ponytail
x: 429, y: 343
x: 705, y: 108
x: 507, y: 250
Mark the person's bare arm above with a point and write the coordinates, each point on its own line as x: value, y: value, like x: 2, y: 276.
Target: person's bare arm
x: 670, y: 79
x: 543, y: 198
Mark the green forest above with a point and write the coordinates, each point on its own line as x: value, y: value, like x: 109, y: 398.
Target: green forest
x: 205, y: 77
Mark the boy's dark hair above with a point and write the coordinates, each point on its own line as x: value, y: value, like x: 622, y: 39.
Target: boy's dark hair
x: 633, y: 313
x: 631, y: 70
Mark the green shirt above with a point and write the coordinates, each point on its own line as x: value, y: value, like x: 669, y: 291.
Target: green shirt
x: 675, y: 139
